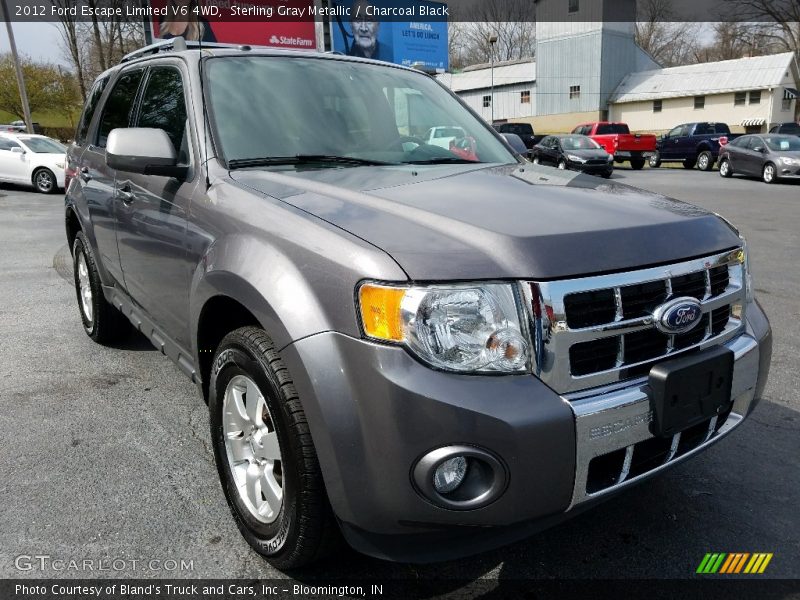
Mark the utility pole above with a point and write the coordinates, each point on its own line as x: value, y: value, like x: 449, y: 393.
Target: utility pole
x: 23, y: 93
x: 492, y: 42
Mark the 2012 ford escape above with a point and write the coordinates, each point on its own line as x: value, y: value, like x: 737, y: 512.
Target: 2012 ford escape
x: 431, y: 351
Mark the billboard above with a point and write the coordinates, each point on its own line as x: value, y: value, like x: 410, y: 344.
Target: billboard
x: 416, y: 40
x: 200, y: 21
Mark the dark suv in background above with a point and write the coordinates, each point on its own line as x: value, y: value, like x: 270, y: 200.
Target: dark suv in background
x: 428, y: 351
x: 523, y: 130
x: 692, y: 144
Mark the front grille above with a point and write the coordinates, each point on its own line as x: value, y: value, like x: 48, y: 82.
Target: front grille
x: 599, y: 330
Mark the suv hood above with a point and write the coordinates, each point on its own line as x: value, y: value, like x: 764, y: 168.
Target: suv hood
x: 498, y: 222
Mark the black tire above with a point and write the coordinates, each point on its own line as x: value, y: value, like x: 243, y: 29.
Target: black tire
x: 102, y: 322
x: 705, y: 161
x: 637, y: 164
x: 654, y: 160
x: 689, y: 163
x: 725, y: 168
x: 44, y: 180
x: 304, y: 529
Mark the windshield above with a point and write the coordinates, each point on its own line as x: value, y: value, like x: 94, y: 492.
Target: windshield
x: 609, y: 128
x: 579, y: 142
x: 267, y: 107
x: 43, y: 145
x: 782, y: 144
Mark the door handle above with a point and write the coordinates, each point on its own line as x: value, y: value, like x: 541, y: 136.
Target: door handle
x: 125, y: 194
x: 84, y: 172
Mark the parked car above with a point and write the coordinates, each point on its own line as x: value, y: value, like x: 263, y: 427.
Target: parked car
x: 790, y: 128
x: 37, y: 129
x: 32, y: 160
x: 444, y: 136
x: 516, y: 143
x: 523, y: 130
x: 692, y: 144
x: 770, y: 156
x: 431, y: 355
x: 575, y: 152
x: 619, y: 142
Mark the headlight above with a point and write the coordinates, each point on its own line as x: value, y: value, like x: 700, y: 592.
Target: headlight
x: 789, y: 161
x: 576, y: 159
x: 464, y: 327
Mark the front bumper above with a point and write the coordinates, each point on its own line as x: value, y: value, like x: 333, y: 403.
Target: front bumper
x: 374, y: 411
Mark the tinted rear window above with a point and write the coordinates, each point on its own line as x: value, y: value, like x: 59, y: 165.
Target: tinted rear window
x: 611, y: 128
x: 88, y: 110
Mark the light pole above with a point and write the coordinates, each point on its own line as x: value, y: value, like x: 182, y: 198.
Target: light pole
x: 492, y: 42
x: 23, y: 93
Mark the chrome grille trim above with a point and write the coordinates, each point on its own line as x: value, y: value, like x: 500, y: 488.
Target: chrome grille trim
x: 553, y: 337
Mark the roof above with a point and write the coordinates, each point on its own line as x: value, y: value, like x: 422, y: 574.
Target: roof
x: 479, y: 77
x: 755, y: 72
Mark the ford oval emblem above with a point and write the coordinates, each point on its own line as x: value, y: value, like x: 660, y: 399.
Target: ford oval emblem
x: 678, y: 316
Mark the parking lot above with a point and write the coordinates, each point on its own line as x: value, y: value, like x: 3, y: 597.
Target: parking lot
x: 107, y: 455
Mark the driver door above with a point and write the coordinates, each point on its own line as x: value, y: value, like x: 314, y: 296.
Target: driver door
x: 13, y: 162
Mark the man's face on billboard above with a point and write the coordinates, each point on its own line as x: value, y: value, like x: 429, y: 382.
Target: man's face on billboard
x: 365, y: 28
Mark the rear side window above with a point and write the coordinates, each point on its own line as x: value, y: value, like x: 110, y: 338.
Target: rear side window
x: 523, y: 129
x: 118, y: 107
x: 163, y: 107
x: 7, y: 144
x: 703, y: 129
x: 88, y: 110
x: 721, y: 128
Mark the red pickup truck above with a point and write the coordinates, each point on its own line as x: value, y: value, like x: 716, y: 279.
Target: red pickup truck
x: 618, y: 141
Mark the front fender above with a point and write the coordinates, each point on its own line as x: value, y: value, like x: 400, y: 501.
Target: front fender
x: 292, y: 295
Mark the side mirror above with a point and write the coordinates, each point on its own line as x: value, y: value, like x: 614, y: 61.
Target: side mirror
x: 758, y: 149
x: 17, y: 150
x: 143, y: 150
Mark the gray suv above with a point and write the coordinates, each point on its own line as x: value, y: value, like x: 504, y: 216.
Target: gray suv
x: 430, y: 351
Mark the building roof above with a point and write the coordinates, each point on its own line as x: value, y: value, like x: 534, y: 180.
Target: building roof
x: 479, y: 77
x: 756, y: 72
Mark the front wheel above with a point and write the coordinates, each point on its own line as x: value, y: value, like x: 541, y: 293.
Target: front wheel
x: 536, y: 160
x: 562, y: 164
x: 770, y: 173
x: 44, y: 181
x: 705, y: 161
x: 637, y: 164
x: 265, y: 457
x: 654, y: 160
x: 725, y: 169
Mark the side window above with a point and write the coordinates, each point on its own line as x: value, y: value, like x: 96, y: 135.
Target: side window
x: 703, y: 129
x: 721, y: 128
x: 88, y: 110
x: 163, y: 107
x: 6, y: 144
x: 118, y: 107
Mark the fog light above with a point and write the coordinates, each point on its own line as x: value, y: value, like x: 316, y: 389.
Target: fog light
x: 449, y: 475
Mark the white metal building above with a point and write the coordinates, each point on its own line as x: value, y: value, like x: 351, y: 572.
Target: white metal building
x: 514, y: 88
x: 749, y: 94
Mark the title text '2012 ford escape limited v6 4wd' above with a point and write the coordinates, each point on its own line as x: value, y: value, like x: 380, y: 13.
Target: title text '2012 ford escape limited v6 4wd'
x: 432, y: 350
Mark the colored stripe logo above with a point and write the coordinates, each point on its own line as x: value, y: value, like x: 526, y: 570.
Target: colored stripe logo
x: 723, y: 563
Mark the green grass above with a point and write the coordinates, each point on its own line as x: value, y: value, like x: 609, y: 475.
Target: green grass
x: 45, y: 118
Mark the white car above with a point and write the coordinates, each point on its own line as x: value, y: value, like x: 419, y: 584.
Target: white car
x: 442, y: 136
x: 34, y: 160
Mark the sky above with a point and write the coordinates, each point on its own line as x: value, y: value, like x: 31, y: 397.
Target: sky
x: 40, y: 41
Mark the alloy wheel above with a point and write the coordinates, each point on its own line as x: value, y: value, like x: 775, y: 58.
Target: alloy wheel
x: 252, y: 448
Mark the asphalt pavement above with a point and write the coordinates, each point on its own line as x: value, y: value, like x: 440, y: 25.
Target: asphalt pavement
x: 106, y: 452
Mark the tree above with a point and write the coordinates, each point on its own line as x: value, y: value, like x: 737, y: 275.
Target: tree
x: 779, y: 21
x: 48, y: 86
x: 511, y: 21
x: 658, y: 33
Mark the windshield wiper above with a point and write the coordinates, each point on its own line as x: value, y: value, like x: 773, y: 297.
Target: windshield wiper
x: 442, y: 160
x: 301, y: 159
